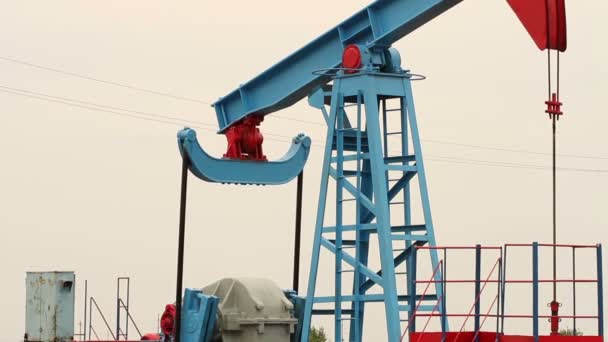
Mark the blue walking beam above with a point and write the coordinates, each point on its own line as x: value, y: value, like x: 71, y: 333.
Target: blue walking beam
x: 376, y: 27
x: 246, y: 172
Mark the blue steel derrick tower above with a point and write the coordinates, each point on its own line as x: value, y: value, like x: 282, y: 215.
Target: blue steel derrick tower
x: 372, y: 155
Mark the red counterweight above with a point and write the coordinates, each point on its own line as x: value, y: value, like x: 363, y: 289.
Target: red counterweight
x: 245, y: 140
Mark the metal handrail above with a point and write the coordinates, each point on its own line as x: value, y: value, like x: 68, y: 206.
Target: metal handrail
x: 94, y: 302
x: 478, y: 297
x: 409, y: 323
x: 439, y: 300
x: 486, y: 317
x: 130, y: 317
x: 498, y: 301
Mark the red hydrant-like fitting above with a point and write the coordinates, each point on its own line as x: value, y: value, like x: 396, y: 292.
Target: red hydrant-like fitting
x: 554, y: 107
x: 167, y: 320
x: 555, y: 318
x: 245, y: 140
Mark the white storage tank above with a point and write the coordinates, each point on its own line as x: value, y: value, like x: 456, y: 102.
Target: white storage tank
x: 49, y: 306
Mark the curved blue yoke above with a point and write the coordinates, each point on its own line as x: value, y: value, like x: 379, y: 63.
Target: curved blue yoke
x: 376, y: 27
x: 244, y: 172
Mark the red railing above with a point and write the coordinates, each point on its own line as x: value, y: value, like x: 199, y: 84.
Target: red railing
x: 498, y: 301
x: 476, y: 303
x: 428, y: 285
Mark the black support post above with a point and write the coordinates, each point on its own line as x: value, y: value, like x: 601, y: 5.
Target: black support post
x: 298, y: 234
x: 180, y: 248
x: 477, y: 291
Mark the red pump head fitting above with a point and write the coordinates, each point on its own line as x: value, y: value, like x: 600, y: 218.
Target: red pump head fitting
x: 245, y: 140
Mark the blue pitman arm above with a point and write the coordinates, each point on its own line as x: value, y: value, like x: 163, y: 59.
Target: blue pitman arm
x: 377, y: 26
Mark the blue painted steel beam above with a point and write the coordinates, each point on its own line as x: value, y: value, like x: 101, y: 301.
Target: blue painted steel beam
x: 377, y: 26
x: 232, y: 171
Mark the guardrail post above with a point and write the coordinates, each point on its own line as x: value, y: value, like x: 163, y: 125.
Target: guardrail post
x: 444, y: 317
x: 477, y: 297
x: 412, y: 290
x: 535, y: 291
x: 503, y: 289
x: 498, y: 296
x: 600, y: 292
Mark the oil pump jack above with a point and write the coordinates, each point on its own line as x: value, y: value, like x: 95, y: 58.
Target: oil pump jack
x: 356, y: 79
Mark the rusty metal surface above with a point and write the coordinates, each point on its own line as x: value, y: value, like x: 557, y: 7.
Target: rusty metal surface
x: 49, y: 307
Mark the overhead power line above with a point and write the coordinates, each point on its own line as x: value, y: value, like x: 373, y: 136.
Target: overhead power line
x: 122, y: 85
x: 510, y: 150
x: 116, y: 110
x: 131, y: 87
x: 444, y: 159
x: 105, y: 106
x: 184, y: 98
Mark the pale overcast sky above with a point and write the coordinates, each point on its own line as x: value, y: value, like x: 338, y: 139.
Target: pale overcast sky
x: 97, y: 193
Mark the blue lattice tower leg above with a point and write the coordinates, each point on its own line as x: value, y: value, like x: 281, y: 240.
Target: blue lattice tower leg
x: 373, y: 193
x: 423, y: 188
x: 383, y: 224
x: 364, y: 217
x: 314, y: 265
x: 339, y: 243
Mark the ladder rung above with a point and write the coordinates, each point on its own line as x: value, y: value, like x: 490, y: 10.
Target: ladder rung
x: 400, y: 159
x: 394, y: 133
x: 347, y: 247
x: 400, y: 273
x: 352, y: 173
x: 347, y: 129
x: 411, y: 228
x: 347, y: 271
x: 345, y: 242
x: 331, y: 312
x: 420, y: 308
x: 401, y: 168
x: 348, y: 200
x: 393, y: 110
x: 349, y: 173
x: 408, y: 237
x: 396, y: 203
